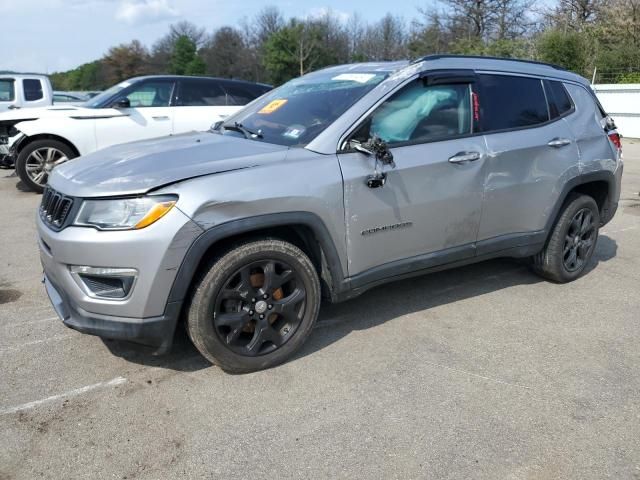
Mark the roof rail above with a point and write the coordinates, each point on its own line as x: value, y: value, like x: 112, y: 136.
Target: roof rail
x: 438, y: 56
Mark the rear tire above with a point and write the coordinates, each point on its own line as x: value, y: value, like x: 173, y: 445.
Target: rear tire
x: 36, y: 160
x: 254, y: 306
x: 572, y: 241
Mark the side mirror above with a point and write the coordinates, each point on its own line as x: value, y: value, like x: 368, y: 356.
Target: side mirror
x: 122, y: 103
x: 375, y: 147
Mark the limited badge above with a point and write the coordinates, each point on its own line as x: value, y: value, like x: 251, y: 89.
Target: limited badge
x: 273, y: 106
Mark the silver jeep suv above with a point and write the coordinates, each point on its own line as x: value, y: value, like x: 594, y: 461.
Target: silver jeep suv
x: 332, y: 184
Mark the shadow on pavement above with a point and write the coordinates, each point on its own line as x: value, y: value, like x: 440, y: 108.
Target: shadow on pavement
x: 374, y: 307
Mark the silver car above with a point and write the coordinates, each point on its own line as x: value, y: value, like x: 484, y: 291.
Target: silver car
x: 332, y: 184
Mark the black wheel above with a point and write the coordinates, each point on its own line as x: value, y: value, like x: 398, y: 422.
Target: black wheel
x: 572, y: 241
x: 37, y: 159
x: 254, y: 306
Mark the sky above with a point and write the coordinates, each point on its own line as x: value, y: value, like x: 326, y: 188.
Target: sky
x: 57, y: 35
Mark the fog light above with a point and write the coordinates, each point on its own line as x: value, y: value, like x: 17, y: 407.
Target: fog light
x: 105, y: 282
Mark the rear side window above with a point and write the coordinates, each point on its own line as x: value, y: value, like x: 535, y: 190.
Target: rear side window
x: 559, y: 101
x: 508, y: 102
x: 32, y: 89
x: 201, y: 93
x: 239, y: 94
x: 7, y: 90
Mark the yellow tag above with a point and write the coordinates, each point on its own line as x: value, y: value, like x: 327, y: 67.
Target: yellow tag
x: 272, y: 106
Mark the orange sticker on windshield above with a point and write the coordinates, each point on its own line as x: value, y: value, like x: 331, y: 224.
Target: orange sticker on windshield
x: 272, y: 106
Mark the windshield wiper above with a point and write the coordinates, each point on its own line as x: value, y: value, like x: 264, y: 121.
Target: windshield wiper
x: 248, y: 134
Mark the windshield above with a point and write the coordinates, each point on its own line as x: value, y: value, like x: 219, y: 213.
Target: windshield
x: 98, y: 100
x: 298, y: 111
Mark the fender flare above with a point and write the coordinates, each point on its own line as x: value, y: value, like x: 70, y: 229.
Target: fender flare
x: 603, y: 175
x: 195, y: 253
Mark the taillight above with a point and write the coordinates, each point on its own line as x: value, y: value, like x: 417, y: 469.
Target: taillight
x: 614, y: 136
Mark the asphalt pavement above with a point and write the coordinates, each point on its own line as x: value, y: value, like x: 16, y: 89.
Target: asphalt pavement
x: 482, y: 372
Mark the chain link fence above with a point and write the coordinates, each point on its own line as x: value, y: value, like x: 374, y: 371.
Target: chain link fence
x: 622, y: 75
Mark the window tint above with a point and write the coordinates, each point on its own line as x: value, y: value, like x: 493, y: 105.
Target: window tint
x: 511, y: 102
x: 559, y: 101
x: 197, y: 93
x: 239, y: 94
x: 150, y: 94
x: 32, y: 90
x: 420, y: 113
x: 7, y: 90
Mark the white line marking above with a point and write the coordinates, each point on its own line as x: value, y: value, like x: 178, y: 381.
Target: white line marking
x: 477, y: 375
x: 29, y: 322
x: 55, y: 338
x: 70, y: 393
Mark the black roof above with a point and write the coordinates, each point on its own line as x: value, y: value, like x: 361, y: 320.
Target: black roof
x: 201, y: 77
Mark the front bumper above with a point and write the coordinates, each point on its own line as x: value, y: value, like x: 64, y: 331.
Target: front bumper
x: 145, y: 315
x: 153, y: 331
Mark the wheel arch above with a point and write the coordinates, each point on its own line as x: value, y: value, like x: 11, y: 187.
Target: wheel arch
x: 45, y: 136
x: 303, y: 229
x: 598, y: 185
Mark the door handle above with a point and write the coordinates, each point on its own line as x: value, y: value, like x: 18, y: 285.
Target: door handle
x: 13, y: 107
x: 161, y: 117
x: 465, y: 157
x: 559, y: 142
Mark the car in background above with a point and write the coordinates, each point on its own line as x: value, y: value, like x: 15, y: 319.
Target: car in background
x: 21, y: 91
x: 24, y: 91
x: 69, y: 98
x: 136, y: 109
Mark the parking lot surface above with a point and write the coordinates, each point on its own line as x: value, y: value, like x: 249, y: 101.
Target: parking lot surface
x: 481, y: 372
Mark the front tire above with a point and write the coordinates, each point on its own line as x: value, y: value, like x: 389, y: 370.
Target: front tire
x: 572, y: 242
x: 254, y: 306
x: 36, y: 160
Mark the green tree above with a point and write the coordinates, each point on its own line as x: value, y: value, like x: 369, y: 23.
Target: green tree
x: 565, y: 49
x: 294, y: 50
x: 184, y: 53
x: 196, y: 66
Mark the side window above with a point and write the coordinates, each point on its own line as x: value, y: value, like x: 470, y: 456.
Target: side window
x: 32, y: 89
x: 419, y: 113
x: 508, y: 102
x: 239, y: 94
x: 200, y: 93
x: 559, y: 101
x: 150, y: 94
x: 7, y: 90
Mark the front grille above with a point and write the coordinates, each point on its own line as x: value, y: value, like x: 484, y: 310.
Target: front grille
x: 55, y: 208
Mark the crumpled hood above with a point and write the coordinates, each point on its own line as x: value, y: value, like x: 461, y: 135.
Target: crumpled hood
x: 138, y: 167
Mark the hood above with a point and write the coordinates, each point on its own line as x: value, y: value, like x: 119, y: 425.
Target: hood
x: 136, y: 168
x: 59, y: 111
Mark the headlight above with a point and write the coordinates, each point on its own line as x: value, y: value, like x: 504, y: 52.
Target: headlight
x: 124, y: 213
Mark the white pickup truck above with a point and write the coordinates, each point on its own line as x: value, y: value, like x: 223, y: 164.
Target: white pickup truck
x: 140, y: 108
x: 24, y: 91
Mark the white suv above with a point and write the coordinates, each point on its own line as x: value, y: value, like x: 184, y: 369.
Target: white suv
x: 136, y: 109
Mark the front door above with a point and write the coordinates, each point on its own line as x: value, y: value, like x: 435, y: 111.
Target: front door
x: 429, y: 208
x: 149, y: 115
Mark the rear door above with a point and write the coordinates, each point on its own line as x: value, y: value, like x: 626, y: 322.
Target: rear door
x: 35, y: 93
x: 531, y: 153
x: 200, y: 103
x: 150, y: 114
x: 432, y: 200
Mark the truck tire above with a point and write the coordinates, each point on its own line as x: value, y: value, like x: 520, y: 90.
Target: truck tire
x: 36, y: 160
x: 572, y: 241
x: 254, y: 306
